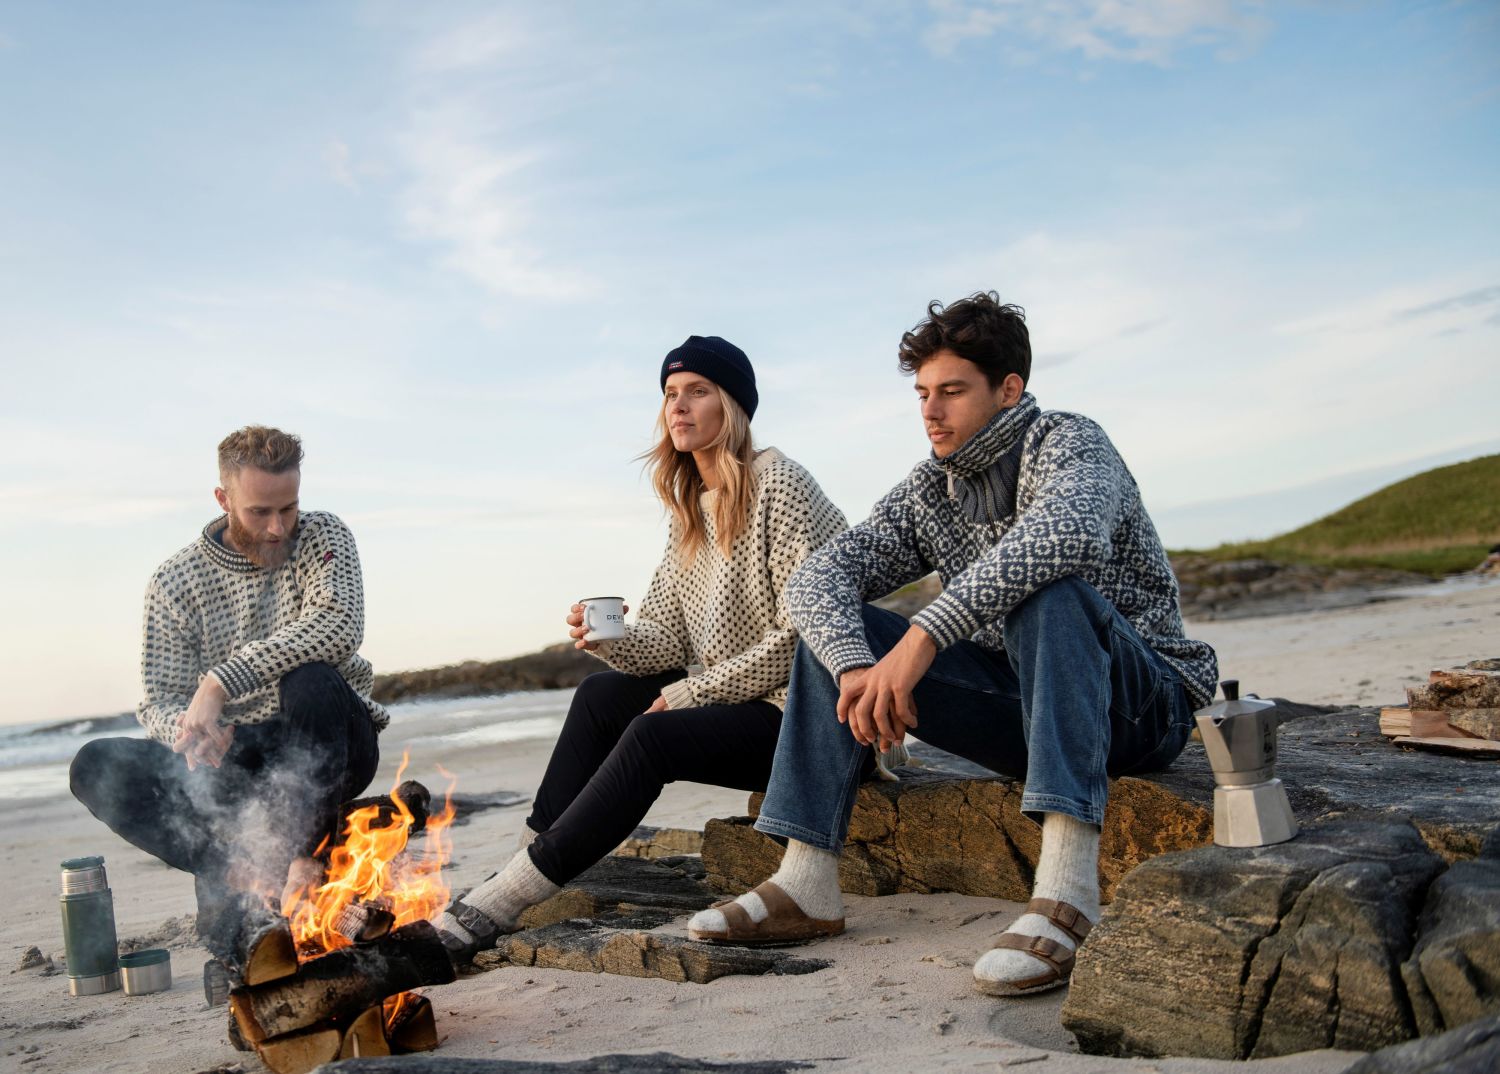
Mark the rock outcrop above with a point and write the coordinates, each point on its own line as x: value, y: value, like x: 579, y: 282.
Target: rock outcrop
x: 1232, y: 953
x: 963, y: 832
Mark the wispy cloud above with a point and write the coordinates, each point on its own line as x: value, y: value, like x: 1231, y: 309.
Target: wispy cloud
x: 476, y: 183
x: 1484, y: 296
x: 1137, y: 31
x: 338, y: 160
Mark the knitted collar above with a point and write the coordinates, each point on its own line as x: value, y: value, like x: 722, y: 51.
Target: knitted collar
x: 222, y: 555
x: 983, y: 472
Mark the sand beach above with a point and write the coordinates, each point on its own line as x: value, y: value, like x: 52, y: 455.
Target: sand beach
x: 896, y: 997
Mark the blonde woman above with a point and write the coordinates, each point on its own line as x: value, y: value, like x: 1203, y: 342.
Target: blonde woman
x: 741, y: 521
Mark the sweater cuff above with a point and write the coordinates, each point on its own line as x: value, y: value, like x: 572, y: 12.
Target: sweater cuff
x: 947, y: 621
x: 236, y: 676
x: 846, y: 654
x: 679, y: 695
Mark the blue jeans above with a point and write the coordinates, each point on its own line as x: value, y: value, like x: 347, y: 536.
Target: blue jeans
x: 1076, y: 698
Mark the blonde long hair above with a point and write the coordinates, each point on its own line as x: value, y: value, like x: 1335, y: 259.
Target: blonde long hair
x: 678, y: 484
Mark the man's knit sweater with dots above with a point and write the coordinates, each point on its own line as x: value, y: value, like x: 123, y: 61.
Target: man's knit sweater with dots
x: 211, y: 611
x: 729, y: 614
x: 1031, y: 498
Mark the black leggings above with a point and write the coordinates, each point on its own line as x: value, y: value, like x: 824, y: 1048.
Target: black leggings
x: 275, y: 795
x: 613, y: 759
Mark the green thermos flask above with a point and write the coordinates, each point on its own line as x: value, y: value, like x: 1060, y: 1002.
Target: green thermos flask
x: 88, y: 918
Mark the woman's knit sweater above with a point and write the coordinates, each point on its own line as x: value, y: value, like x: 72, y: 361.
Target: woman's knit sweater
x: 728, y: 614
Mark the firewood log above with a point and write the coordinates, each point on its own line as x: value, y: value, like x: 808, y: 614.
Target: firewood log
x: 414, y: 796
x: 366, y: 1035
x: 340, y: 985
x: 415, y: 1029
x: 299, y: 1053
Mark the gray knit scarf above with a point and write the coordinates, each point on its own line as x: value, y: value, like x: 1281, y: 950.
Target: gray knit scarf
x: 984, y: 471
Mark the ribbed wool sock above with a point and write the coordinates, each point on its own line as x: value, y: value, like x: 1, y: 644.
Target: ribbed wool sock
x: 1068, y: 871
x: 503, y: 896
x: 809, y: 875
x: 528, y: 836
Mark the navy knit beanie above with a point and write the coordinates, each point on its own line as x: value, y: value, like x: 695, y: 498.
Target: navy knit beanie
x: 721, y: 362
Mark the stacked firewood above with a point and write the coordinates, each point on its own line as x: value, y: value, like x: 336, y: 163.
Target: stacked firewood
x: 1458, y: 711
x: 339, y: 1005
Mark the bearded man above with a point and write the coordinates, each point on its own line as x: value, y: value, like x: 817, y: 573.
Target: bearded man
x: 257, y: 703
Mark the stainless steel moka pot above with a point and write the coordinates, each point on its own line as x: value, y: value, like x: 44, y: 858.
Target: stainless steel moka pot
x: 1250, y: 805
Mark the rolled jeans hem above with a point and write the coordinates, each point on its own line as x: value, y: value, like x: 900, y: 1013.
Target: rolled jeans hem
x: 1034, y: 805
x: 787, y: 830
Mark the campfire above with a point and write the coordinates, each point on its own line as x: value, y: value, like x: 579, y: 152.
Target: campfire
x: 330, y: 975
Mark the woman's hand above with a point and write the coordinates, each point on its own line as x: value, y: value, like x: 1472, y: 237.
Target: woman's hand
x: 659, y: 705
x: 576, y: 629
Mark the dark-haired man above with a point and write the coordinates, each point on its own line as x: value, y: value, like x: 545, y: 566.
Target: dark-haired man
x: 257, y: 703
x: 1055, y: 652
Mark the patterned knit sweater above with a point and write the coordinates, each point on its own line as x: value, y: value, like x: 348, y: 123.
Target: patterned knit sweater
x: 729, y: 614
x: 1077, y: 511
x: 210, y: 611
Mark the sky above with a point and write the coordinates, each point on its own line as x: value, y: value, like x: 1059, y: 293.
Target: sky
x: 448, y: 245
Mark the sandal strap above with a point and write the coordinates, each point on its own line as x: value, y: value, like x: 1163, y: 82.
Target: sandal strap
x: 1064, y: 916
x: 737, y: 918
x: 1039, y: 947
x: 474, y: 920
x: 777, y: 901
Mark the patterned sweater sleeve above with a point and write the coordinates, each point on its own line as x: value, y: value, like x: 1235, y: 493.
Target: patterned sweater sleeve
x: 169, y: 663
x: 1064, y: 530
x: 798, y: 519
x: 657, y: 640
x: 331, y: 624
x: 872, y: 559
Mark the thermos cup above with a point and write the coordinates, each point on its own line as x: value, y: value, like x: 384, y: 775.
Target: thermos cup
x: 88, y: 919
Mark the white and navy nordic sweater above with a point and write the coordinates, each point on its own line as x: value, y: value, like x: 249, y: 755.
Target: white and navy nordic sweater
x: 210, y: 611
x: 1076, y: 511
x: 729, y: 614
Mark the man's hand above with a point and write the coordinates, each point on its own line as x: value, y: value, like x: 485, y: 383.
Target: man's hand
x: 876, y: 702
x: 201, y: 739
x: 659, y: 705
x: 576, y: 629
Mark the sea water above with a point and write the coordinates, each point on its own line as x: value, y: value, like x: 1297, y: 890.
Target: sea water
x: 34, y: 757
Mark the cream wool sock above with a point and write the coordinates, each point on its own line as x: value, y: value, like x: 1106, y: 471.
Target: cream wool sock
x: 809, y: 875
x: 528, y: 836
x: 1068, y: 871
x: 503, y: 896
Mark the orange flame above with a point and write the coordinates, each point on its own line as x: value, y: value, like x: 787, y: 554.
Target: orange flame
x: 371, y: 866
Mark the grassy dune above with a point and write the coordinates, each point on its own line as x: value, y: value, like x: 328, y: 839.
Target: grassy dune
x: 1435, y: 523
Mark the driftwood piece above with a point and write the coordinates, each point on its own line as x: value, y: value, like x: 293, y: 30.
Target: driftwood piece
x: 1467, y: 747
x: 340, y: 985
x: 1483, y: 723
x: 1459, y: 688
x: 301, y: 1052
x: 415, y: 1029
x: 366, y: 1035
x: 1423, y: 723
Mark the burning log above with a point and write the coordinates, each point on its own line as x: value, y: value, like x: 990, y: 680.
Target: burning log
x: 413, y: 795
x: 253, y: 941
x: 338, y: 986
x: 414, y: 1029
x: 364, y: 922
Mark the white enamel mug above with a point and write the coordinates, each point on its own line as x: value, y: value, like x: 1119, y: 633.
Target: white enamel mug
x: 603, y: 618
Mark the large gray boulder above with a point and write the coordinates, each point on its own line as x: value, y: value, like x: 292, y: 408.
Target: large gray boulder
x: 1239, y: 953
x: 1453, y: 975
x: 1470, y: 1049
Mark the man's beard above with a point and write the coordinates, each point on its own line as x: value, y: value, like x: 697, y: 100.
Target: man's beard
x: 261, y: 553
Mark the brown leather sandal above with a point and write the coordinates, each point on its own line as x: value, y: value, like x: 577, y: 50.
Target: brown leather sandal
x: 1058, y: 958
x: 785, y: 923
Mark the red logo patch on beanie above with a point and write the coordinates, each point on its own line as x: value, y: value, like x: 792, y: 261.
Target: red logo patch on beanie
x: 674, y: 365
